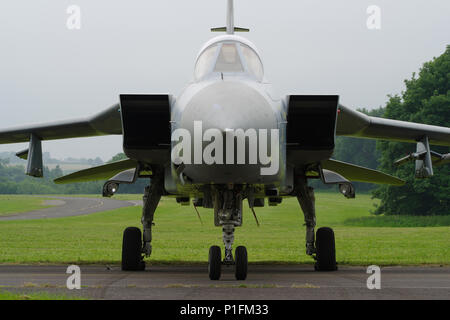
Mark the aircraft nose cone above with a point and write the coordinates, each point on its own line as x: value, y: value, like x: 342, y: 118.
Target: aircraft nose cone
x: 229, y: 105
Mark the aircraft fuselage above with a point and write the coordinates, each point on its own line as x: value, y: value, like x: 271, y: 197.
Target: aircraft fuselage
x: 246, y: 113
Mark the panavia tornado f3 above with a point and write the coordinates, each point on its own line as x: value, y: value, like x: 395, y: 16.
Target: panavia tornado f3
x: 227, y: 138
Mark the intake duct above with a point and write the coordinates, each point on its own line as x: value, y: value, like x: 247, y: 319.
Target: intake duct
x: 311, y: 122
x: 146, y: 127
x: 310, y: 129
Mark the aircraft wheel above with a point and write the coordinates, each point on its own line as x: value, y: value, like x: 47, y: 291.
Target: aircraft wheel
x: 241, y: 263
x: 132, y: 250
x: 325, y: 250
x: 214, y: 263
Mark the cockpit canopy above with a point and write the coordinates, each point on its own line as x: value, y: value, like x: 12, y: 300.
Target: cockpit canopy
x: 229, y: 57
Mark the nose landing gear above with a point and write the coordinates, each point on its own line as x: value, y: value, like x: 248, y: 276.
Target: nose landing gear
x: 241, y: 263
x: 228, y: 215
x: 215, y: 263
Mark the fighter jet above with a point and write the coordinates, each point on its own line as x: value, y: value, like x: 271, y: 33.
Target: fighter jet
x: 225, y: 139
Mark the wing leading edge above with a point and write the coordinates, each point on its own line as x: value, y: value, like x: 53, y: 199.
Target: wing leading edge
x: 357, y: 173
x: 357, y: 124
x: 103, y: 172
x: 104, y: 123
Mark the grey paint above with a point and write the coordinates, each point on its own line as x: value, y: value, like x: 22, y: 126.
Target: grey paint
x: 106, y: 122
x: 34, y: 161
x: 357, y: 124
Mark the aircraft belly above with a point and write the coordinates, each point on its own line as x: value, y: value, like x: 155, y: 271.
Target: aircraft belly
x: 223, y: 174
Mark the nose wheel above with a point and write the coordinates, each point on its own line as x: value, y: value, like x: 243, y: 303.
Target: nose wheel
x: 215, y: 263
x: 241, y: 263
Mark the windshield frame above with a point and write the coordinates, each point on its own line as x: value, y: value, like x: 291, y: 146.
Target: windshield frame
x: 210, y: 69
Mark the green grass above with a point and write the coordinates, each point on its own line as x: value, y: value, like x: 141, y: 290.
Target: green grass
x: 399, y: 221
x: 10, y: 204
x: 119, y: 196
x: 6, y: 295
x: 178, y: 236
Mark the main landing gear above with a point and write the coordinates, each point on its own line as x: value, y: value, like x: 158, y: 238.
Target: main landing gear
x: 227, y: 201
x: 322, y: 248
x: 132, y: 250
x: 325, y: 250
x: 135, y: 245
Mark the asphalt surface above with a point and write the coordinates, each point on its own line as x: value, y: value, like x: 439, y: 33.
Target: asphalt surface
x: 266, y: 282
x: 70, y: 206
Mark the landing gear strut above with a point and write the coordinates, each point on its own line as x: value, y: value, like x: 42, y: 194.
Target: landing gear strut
x: 228, y: 215
x: 136, y: 246
x: 322, y: 247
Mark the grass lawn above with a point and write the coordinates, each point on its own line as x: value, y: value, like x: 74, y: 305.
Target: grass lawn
x: 6, y: 295
x: 399, y: 221
x: 20, y: 203
x: 179, y: 237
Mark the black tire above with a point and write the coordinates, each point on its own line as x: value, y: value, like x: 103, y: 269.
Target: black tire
x: 214, y: 263
x: 132, y: 250
x: 325, y: 250
x: 241, y: 260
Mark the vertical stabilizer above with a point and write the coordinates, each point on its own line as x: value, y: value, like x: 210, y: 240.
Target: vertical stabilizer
x: 230, y: 28
x: 230, y: 17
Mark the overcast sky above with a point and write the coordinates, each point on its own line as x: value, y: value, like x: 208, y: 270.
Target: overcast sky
x: 48, y: 72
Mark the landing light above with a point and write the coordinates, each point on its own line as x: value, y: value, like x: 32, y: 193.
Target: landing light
x: 347, y: 190
x: 110, y: 188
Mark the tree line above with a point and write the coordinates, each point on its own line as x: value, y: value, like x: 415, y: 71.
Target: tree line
x: 14, y: 181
